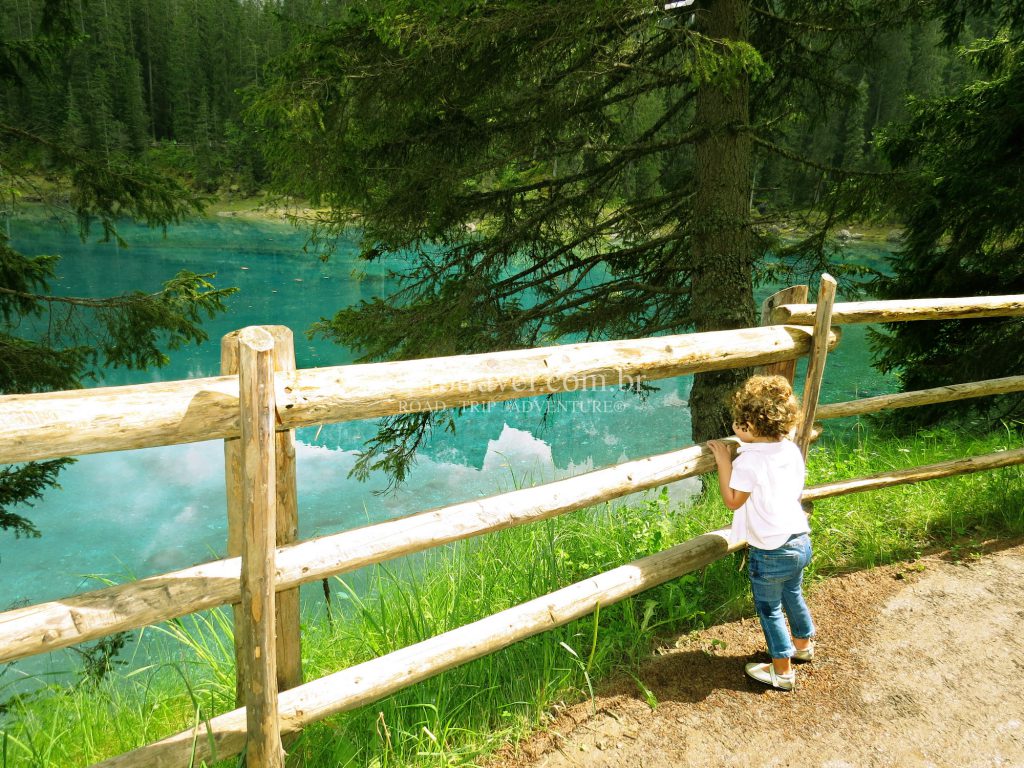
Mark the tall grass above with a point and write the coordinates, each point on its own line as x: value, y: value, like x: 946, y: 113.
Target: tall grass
x: 467, y: 712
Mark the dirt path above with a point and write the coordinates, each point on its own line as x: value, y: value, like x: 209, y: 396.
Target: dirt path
x: 918, y: 665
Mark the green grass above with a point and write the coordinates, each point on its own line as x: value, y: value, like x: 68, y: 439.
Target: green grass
x: 867, y: 529
x: 467, y: 712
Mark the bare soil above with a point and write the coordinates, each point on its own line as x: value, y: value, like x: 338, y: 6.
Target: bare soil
x: 917, y: 664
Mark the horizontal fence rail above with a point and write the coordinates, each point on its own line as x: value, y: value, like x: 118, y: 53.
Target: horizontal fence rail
x: 904, y: 310
x: 72, y: 423
x: 942, y: 469
x: 949, y: 393
x: 374, y: 679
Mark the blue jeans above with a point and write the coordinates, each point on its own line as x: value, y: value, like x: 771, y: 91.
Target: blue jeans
x: 776, y: 576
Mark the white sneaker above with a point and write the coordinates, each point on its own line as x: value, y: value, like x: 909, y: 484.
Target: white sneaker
x: 807, y: 654
x: 765, y: 673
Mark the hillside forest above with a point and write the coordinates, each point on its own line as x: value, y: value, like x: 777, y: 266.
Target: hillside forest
x: 167, y: 81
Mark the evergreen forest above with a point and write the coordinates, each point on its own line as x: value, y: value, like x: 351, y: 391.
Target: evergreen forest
x: 167, y: 81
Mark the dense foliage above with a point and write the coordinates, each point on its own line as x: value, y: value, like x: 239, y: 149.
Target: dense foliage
x: 960, y: 193
x: 165, y: 79
x: 52, y: 342
x: 157, y: 79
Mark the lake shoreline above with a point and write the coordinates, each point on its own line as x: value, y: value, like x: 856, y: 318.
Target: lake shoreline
x: 265, y: 208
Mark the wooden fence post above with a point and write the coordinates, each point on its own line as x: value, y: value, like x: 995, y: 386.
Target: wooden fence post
x: 795, y: 294
x: 289, y: 652
x: 289, y: 648
x: 233, y: 487
x: 258, y: 422
x: 816, y: 360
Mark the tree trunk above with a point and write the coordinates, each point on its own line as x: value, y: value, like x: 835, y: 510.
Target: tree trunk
x: 722, y: 294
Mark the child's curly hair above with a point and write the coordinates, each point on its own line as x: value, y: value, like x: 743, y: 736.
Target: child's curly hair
x: 767, y: 405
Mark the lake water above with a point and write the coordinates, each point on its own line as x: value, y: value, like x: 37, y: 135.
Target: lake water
x: 132, y: 514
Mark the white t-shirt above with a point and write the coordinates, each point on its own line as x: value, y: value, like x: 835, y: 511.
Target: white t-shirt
x: 773, y: 475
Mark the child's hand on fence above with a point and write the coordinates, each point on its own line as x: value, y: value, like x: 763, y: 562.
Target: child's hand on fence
x: 722, y: 451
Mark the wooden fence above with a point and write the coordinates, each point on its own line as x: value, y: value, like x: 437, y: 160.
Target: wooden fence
x: 262, y: 398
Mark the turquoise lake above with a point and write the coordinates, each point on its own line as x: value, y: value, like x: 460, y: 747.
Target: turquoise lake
x: 132, y: 514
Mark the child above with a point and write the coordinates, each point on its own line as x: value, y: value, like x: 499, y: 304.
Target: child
x: 763, y: 487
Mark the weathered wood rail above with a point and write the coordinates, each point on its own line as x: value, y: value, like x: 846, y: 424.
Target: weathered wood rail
x: 42, y: 426
x: 848, y: 313
x: 263, y: 399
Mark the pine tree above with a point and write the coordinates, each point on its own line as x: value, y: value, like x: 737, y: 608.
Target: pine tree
x: 927, y: 61
x: 889, y: 79
x: 854, y: 134
x: 73, y: 131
